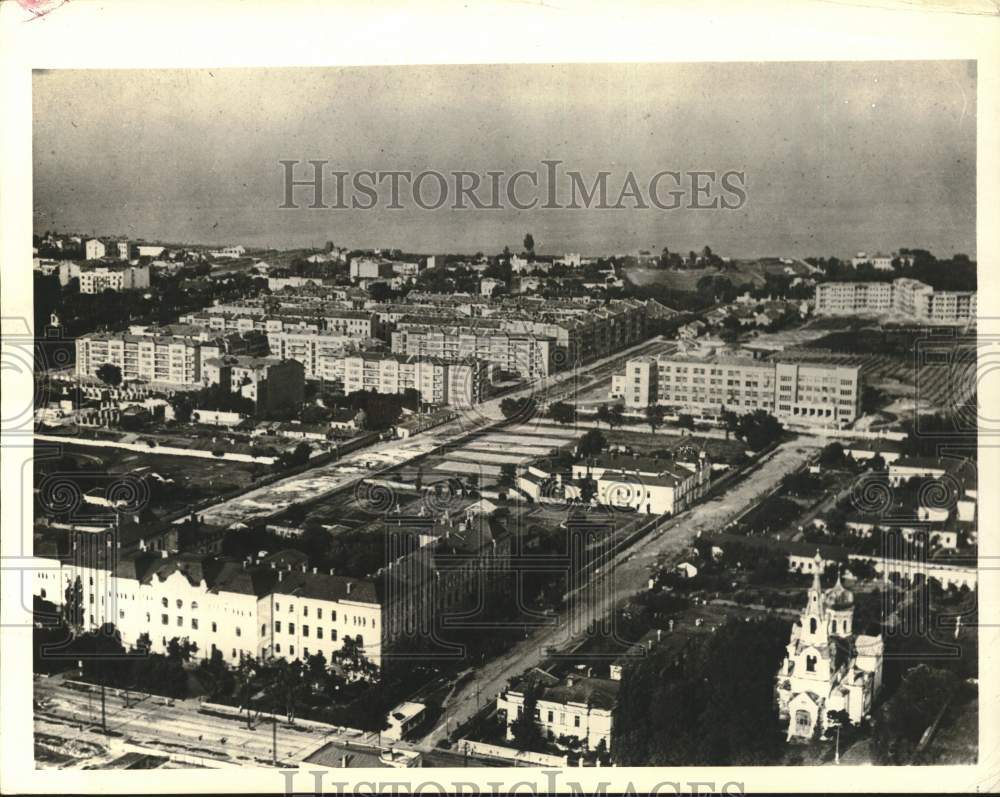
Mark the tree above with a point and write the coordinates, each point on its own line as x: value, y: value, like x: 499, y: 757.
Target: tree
x: 563, y: 413
x: 110, y: 374
x: 591, y: 444
x: 508, y: 474
x: 604, y: 415
x: 181, y: 649
x: 588, y: 489
x: 527, y: 735
x: 832, y: 456
x: 379, y: 292
x: 521, y: 409
x: 654, y: 417
x: 529, y: 244
x: 902, y: 720
x: 685, y: 421
x: 731, y: 422
x: 759, y: 429
x: 616, y: 416
x: 73, y: 606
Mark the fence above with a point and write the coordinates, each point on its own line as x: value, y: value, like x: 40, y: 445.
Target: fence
x: 517, y: 757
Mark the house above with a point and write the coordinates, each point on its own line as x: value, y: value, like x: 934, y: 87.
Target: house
x: 580, y: 708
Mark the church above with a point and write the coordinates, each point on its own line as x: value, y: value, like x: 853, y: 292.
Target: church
x: 827, y: 666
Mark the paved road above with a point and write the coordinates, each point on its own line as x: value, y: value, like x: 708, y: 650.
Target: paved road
x: 618, y: 581
x: 179, y: 726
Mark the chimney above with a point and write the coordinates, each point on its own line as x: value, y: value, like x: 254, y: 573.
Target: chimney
x: 349, y: 585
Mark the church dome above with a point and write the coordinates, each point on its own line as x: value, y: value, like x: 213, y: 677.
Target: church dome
x: 838, y: 596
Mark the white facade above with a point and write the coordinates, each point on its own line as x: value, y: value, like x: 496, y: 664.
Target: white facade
x: 94, y: 249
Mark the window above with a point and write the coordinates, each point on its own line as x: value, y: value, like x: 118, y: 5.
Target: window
x: 333, y: 615
x: 305, y: 630
x: 810, y: 664
x: 263, y: 629
x: 180, y: 622
x: 576, y: 721
x: 305, y: 651
x: 803, y: 723
x: 164, y: 602
x: 550, y: 716
x: 194, y: 624
x: 291, y: 650
x: 238, y: 632
x: 277, y: 648
x: 277, y: 625
x: 194, y: 605
x: 214, y: 628
x: 147, y: 617
x: 43, y: 591
x: 333, y: 634
x: 361, y: 641
x: 277, y: 607
x: 165, y: 620
x: 812, y: 625
x: 319, y: 614
x: 291, y: 628
x: 180, y: 603
x: 121, y: 613
x: 305, y: 611
x: 319, y: 632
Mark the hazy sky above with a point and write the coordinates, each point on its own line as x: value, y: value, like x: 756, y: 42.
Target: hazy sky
x: 839, y: 157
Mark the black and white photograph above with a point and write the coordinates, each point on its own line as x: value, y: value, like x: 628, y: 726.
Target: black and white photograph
x: 572, y: 419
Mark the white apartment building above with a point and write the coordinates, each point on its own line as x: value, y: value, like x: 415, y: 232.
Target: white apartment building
x: 811, y: 394
x: 438, y: 381
x: 905, y: 296
x: 530, y: 356
x: 319, y: 352
x: 167, y: 358
x: 116, y: 278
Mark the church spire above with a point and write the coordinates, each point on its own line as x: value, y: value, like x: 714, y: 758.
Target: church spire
x: 817, y: 585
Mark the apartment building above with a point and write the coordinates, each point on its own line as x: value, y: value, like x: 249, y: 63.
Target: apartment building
x: 319, y: 352
x: 269, y: 381
x: 169, y: 359
x: 438, y: 381
x: 905, y: 296
x: 315, y: 317
x: 97, y: 279
x: 807, y: 393
x: 530, y: 356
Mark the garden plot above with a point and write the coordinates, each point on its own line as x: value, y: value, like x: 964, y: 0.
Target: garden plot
x: 481, y: 456
x: 515, y: 440
x: 452, y: 466
x: 500, y: 448
x: 549, y: 430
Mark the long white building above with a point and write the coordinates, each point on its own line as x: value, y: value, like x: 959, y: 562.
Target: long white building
x: 816, y: 394
x: 904, y: 296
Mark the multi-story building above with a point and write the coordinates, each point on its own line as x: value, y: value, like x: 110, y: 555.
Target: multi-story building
x: 905, y: 296
x: 815, y: 394
x: 438, y: 381
x: 530, y: 356
x: 277, y: 606
x: 269, y: 381
x: 321, y: 353
x: 168, y: 359
x: 97, y: 279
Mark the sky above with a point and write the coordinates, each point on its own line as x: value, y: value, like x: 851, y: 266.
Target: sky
x: 839, y: 157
